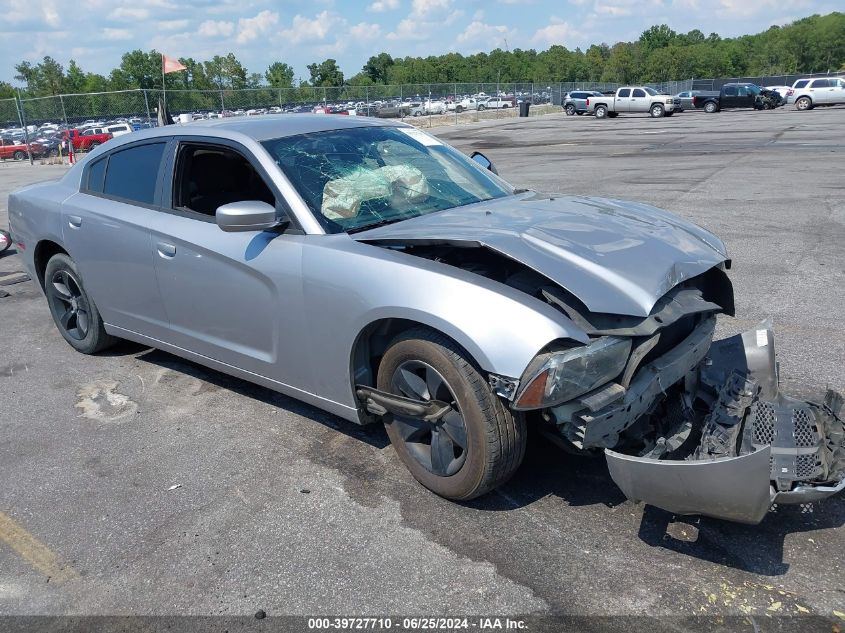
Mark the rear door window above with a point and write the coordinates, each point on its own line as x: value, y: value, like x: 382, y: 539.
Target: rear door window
x: 97, y: 175
x: 625, y: 92
x: 820, y: 83
x: 638, y: 93
x: 133, y: 173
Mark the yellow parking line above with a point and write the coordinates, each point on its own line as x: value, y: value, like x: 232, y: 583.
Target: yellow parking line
x: 41, y: 557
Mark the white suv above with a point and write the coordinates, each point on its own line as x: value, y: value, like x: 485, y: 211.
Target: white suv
x: 809, y: 93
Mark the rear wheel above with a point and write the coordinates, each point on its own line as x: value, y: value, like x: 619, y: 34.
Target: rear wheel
x: 601, y: 112
x: 477, y: 445
x: 657, y: 111
x: 803, y: 103
x: 74, y: 313
x: 710, y: 107
x: 5, y: 240
x: 19, y: 154
x: 481, y: 107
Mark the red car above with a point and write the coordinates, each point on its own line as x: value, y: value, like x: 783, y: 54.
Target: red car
x: 16, y: 150
x: 86, y: 139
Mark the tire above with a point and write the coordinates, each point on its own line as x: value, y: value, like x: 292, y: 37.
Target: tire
x: 68, y: 300
x: 505, y: 106
x: 657, y: 111
x: 416, y: 113
x: 803, y: 103
x: 93, y: 145
x: 570, y: 110
x: 459, y: 109
x: 19, y: 155
x: 710, y: 107
x: 601, y: 111
x: 494, y: 438
x: 481, y: 107
x: 5, y: 240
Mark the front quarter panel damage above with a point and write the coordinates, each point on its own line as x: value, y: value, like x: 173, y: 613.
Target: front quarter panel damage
x: 755, y: 446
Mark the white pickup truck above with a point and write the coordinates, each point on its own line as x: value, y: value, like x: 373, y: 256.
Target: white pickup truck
x: 634, y: 99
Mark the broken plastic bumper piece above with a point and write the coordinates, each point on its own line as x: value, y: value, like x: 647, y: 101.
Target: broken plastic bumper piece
x: 754, y: 448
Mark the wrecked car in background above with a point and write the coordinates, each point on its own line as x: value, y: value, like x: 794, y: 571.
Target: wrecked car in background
x: 369, y: 269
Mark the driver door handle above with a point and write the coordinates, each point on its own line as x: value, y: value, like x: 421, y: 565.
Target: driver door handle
x: 165, y: 250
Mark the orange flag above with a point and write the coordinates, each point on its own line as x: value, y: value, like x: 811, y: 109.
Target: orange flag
x: 170, y: 65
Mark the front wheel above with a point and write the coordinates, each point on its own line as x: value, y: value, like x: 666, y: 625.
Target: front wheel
x: 73, y: 311
x: 570, y: 110
x: 657, y: 111
x: 19, y: 155
x: 804, y: 103
x: 601, y: 112
x: 481, y: 107
x: 476, y: 445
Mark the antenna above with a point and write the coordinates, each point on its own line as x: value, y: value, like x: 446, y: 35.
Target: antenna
x: 507, y: 50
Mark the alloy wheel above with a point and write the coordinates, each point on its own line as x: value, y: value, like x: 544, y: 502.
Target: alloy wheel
x: 439, y: 446
x: 69, y: 304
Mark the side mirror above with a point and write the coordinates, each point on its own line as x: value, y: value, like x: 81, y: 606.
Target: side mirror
x: 485, y: 162
x: 247, y: 215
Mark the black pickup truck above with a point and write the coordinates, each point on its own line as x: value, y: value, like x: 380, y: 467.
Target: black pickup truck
x: 738, y: 95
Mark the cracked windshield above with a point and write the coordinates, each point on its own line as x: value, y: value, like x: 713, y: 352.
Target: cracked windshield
x: 359, y: 178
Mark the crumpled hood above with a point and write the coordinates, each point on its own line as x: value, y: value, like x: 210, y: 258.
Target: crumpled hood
x: 617, y: 257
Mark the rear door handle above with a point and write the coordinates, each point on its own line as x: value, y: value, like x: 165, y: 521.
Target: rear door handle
x: 75, y: 221
x: 168, y: 251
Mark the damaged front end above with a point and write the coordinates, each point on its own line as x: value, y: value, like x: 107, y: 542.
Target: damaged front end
x: 725, y: 442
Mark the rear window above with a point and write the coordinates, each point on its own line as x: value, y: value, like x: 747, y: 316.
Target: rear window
x: 802, y: 84
x: 96, y: 175
x: 626, y: 92
x: 133, y: 172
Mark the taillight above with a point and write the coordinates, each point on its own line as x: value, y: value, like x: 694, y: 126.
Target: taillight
x: 588, y: 102
x: 790, y: 92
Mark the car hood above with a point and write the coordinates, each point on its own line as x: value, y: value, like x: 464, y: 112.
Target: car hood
x: 617, y: 257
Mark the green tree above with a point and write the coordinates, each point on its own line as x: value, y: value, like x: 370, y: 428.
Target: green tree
x: 279, y: 75
x: 378, y: 67
x: 658, y: 36
x: 326, y: 73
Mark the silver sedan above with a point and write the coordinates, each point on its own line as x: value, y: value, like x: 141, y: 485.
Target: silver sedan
x: 373, y: 271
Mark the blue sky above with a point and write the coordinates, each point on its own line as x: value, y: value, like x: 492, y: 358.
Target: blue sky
x: 97, y: 32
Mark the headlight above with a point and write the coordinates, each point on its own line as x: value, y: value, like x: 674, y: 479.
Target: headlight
x: 562, y: 376
x: 670, y: 101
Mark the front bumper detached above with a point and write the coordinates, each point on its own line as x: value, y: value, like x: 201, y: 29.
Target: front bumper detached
x: 754, y: 447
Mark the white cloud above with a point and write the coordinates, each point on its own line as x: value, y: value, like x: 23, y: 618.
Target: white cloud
x: 479, y: 31
x: 116, y: 35
x: 423, y: 8
x: 380, y: 6
x: 304, y: 30
x: 558, y: 32
x: 364, y: 31
x: 250, y: 28
x: 129, y: 14
x: 172, y: 25
x: 216, y: 28
x: 612, y: 10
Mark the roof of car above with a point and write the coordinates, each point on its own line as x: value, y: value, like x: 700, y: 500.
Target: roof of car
x: 257, y: 128
x: 279, y: 125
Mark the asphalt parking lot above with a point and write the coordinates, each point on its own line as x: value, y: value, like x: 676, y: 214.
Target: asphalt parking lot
x: 137, y: 483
